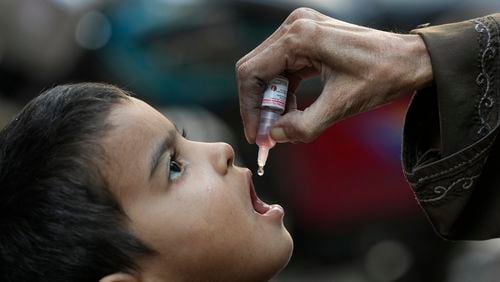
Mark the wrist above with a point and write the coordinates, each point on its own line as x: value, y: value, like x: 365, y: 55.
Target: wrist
x: 419, y: 63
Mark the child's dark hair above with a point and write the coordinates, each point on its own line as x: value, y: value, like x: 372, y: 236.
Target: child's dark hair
x: 58, y: 220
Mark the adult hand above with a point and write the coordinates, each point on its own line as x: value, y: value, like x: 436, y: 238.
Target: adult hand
x: 360, y: 68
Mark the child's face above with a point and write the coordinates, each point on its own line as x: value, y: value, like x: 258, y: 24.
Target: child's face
x: 195, y: 208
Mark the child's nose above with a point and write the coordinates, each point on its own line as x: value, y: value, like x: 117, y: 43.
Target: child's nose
x: 222, y: 157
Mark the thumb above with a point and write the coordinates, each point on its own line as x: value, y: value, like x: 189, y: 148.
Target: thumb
x: 305, y: 126
x: 295, y: 126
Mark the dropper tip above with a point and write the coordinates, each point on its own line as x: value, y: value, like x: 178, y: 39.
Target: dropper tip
x: 260, y: 171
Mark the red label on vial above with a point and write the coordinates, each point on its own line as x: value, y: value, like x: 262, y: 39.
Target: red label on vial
x: 275, y: 94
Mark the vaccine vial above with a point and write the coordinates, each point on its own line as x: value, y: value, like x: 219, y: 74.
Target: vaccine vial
x: 272, y: 107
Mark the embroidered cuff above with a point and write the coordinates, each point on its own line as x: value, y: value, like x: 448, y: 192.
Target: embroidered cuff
x: 461, y: 111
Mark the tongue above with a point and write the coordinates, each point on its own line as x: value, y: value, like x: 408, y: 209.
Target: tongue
x: 260, y: 206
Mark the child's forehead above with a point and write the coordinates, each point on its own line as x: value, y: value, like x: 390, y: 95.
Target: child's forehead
x: 137, y: 115
x: 136, y: 130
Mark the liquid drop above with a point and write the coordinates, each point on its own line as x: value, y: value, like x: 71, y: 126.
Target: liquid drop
x: 260, y: 171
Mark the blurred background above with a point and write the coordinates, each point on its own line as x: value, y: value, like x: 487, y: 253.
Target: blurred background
x: 348, y: 207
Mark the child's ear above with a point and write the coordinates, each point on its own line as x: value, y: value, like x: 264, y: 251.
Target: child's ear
x: 119, y: 277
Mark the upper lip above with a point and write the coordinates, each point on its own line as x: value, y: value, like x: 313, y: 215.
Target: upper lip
x: 258, y: 205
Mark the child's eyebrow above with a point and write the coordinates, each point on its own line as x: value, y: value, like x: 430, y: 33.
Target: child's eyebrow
x: 162, y: 147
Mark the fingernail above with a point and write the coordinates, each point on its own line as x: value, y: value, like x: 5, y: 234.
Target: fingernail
x: 278, y: 135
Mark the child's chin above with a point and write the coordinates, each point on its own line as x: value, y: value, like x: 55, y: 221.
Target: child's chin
x: 283, y: 254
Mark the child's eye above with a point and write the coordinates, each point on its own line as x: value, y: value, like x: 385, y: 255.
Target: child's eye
x: 174, y: 171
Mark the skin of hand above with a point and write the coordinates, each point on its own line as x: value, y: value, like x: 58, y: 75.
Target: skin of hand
x: 360, y: 69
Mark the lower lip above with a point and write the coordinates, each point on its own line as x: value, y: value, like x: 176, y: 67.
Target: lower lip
x: 275, y: 212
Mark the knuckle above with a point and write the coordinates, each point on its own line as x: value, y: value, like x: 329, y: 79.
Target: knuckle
x: 302, y: 26
x: 238, y: 64
x: 242, y: 70
x: 300, y: 13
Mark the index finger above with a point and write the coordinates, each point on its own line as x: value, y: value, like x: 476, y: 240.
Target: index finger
x: 297, y: 14
x: 253, y: 76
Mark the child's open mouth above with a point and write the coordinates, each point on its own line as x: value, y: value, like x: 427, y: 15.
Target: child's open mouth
x: 258, y: 205
x: 262, y: 208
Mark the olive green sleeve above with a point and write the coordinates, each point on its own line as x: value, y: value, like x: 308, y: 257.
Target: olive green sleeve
x: 451, y: 155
